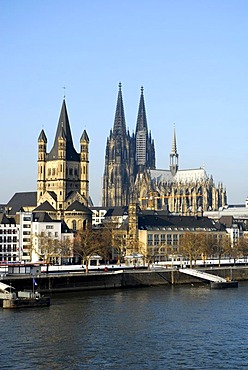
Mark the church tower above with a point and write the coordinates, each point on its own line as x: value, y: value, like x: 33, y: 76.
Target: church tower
x: 145, y: 152
x: 127, y: 157
x: 41, y: 180
x: 119, y: 160
x: 84, y: 167
x: 62, y: 172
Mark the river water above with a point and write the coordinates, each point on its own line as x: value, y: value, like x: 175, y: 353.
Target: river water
x: 180, y: 327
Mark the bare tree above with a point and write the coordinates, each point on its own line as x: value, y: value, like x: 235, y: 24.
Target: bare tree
x: 46, y: 248
x: 242, y: 246
x: 222, y: 246
x: 91, y: 241
x: 190, y: 247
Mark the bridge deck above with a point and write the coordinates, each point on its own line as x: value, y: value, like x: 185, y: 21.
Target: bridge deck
x: 202, y: 275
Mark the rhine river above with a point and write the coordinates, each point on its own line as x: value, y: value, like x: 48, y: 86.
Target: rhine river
x: 182, y: 327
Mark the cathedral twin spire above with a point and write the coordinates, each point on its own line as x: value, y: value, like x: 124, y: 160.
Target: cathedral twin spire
x: 126, y: 155
x: 119, y: 122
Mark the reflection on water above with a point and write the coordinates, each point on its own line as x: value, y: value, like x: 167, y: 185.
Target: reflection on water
x: 150, y: 328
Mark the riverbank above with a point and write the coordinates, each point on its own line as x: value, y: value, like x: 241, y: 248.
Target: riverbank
x: 51, y: 283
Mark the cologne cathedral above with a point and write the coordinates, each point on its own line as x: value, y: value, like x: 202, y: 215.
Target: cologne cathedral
x: 130, y: 173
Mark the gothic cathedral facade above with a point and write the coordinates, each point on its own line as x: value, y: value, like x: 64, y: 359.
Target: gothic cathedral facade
x: 130, y: 173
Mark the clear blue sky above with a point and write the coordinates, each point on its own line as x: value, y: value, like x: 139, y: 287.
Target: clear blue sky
x: 190, y: 56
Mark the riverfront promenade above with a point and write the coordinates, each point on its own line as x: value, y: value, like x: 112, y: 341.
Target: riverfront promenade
x: 49, y: 283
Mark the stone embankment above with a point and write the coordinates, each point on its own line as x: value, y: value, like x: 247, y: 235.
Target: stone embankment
x: 52, y: 283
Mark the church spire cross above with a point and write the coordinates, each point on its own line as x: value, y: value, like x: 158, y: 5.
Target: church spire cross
x: 64, y: 88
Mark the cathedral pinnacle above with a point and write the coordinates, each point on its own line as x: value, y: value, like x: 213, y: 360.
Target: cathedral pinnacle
x: 174, y: 154
x: 174, y: 143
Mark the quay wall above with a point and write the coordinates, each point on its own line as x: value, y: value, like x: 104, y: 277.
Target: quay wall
x: 49, y: 283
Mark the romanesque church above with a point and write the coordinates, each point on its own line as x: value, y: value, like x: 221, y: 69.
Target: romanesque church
x: 130, y: 173
x: 63, y: 176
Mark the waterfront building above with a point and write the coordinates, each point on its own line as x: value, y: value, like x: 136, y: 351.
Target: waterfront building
x: 235, y: 229
x: 158, y: 234
x: 24, y: 222
x: 35, y: 228
x: 9, y: 251
x: 130, y: 172
x: 52, y: 240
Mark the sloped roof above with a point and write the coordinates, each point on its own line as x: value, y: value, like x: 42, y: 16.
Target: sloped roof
x: 117, y: 211
x: 53, y: 195
x: 227, y: 221
x: 42, y: 136
x: 65, y: 228
x: 43, y: 217
x: 85, y: 137
x: 64, y: 131
x: 160, y: 222
x: 77, y: 206
x: 21, y: 200
x: 6, y: 220
x: 46, y: 206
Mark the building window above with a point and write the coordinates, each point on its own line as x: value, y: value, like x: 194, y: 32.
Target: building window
x: 150, y: 239
x: 163, y: 239
x: 156, y: 239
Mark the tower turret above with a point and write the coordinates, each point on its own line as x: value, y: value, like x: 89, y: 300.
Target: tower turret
x: 174, y: 155
x: 61, y: 167
x: 84, y: 165
x: 41, y: 180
